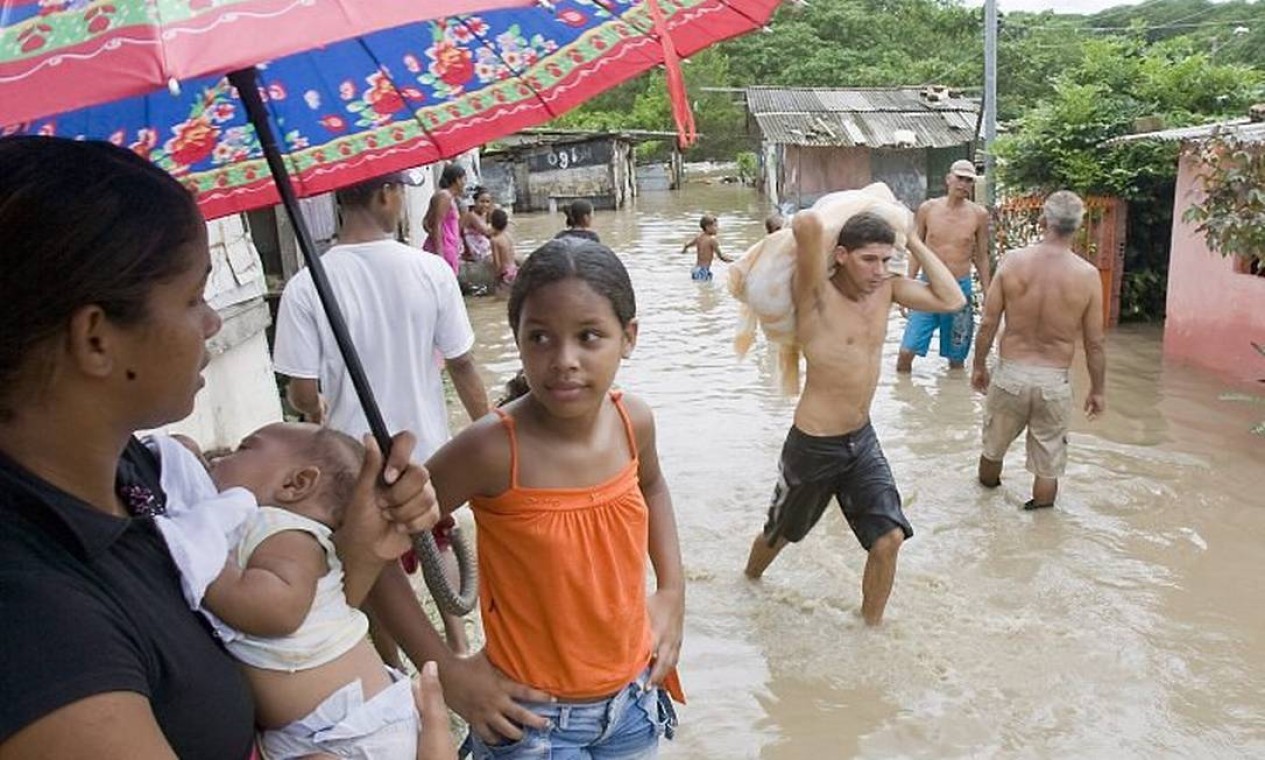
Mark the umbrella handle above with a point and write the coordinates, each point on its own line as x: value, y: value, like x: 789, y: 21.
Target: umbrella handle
x: 247, y: 83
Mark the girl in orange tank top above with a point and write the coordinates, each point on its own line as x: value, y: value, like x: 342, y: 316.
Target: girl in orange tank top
x: 569, y: 500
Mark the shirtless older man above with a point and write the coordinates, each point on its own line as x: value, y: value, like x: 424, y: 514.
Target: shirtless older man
x: 841, y: 321
x: 1050, y: 298
x: 957, y: 230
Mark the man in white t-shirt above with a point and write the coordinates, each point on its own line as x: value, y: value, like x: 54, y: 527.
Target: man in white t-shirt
x: 403, y: 307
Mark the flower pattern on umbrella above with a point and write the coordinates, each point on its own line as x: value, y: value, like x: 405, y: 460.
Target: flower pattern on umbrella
x: 403, y: 97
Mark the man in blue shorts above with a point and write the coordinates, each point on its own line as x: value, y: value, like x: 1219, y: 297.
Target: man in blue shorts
x: 955, y: 228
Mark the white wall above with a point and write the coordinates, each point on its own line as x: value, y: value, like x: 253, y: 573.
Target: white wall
x: 240, y: 393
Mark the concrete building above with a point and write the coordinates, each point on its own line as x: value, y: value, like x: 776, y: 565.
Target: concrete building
x: 818, y: 140
x: 240, y: 393
x: 1215, y: 305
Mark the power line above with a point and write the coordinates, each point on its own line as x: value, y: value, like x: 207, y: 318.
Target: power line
x: 1136, y: 27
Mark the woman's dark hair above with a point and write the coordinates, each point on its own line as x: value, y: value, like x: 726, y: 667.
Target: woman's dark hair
x: 563, y: 259
x: 498, y: 219
x: 450, y: 174
x: 479, y: 190
x: 576, y: 211
x: 81, y: 223
x: 865, y: 228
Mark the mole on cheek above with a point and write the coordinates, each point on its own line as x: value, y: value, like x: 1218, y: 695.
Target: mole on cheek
x: 131, y: 375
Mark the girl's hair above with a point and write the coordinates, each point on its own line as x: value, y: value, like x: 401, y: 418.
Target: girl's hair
x: 498, y: 219
x: 450, y: 174
x: 479, y: 190
x: 81, y: 223
x: 577, y: 210
x: 562, y: 259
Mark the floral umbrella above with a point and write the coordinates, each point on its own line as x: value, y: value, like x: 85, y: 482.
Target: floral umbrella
x: 58, y: 55
x: 348, y: 111
x: 395, y: 99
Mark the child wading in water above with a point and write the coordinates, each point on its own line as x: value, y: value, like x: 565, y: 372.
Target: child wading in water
x: 708, y: 247
x: 503, y: 259
x: 566, y: 489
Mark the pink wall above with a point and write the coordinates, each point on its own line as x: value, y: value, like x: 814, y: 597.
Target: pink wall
x: 1213, y: 311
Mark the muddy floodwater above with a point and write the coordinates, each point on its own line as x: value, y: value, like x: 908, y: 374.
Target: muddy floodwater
x: 1129, y: 622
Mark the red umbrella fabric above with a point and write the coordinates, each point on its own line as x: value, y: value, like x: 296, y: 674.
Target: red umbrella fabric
x: 62, y: 55
x: 402, y: 97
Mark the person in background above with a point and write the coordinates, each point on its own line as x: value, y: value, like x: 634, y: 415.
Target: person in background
x: 504, y: 257
x: 579, y: 217
x: 401, y: 309
x: 773, y: 223
x: 956, y: 228
x: 1049, y: 298
x: 708, y: 248
x: 443, y: 217
x: 475, y: 229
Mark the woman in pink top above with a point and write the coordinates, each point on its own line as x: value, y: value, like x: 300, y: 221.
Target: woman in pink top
x: 443, y: 218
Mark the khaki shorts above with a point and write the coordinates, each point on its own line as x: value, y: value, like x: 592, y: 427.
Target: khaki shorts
x: 1038, y: 398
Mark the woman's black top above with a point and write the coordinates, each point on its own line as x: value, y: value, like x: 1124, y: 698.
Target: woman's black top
x: 91, y: 603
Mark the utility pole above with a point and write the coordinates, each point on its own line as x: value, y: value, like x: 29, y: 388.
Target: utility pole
x: 990, y: 98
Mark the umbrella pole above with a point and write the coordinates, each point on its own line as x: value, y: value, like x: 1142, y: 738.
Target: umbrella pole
x: 246, y: 82
x: 454, y: 601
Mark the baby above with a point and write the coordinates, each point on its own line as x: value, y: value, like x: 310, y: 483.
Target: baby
x: 279, y: 603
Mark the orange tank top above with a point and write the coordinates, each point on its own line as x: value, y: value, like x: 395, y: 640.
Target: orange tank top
x: 562, y: 579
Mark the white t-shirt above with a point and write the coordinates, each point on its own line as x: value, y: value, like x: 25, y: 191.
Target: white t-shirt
x: 402, y: 305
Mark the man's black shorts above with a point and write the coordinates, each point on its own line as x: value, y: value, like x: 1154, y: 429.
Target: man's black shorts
x: 850, y: 467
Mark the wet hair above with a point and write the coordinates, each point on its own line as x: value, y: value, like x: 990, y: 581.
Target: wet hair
x: 866, y: 228
x: 498, y: 219
x: 81, y: 222
x: 450, y: 174
x: 339, y: 457
x: 707, y: 221
x: 563, y: 259
x: 1063, y: 212
x: 575, y: 211
x: 773, y: 223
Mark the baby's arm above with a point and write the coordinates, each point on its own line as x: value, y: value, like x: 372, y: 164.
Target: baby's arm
x: 690, y: 244
x: 667, y: 605
x: 273, y: 594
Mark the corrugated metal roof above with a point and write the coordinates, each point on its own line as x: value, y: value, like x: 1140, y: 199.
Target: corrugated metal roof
x: 1244, y: 129
x: 869, y: 117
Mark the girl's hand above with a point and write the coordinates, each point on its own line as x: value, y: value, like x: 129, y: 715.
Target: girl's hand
x: 489, y: 701
x: 667, y: 617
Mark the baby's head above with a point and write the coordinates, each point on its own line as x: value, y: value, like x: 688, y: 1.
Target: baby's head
x: 708, y: 224
x: 296, y: 466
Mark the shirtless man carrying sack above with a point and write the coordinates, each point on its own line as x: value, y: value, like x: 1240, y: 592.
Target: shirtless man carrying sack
x: 841, y: 314
x: 957, y: 230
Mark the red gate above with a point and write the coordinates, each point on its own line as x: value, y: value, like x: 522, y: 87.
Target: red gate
x: 1100, y: 240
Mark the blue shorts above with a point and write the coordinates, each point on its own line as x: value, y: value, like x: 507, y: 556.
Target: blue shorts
x: 627, y: 726
x: 701, y: 274
x: 956, y: 329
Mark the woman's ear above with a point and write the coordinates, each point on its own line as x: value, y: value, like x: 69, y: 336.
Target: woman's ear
x: 630, y: 337
x: 302, y: 483
x: 90, y: 341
